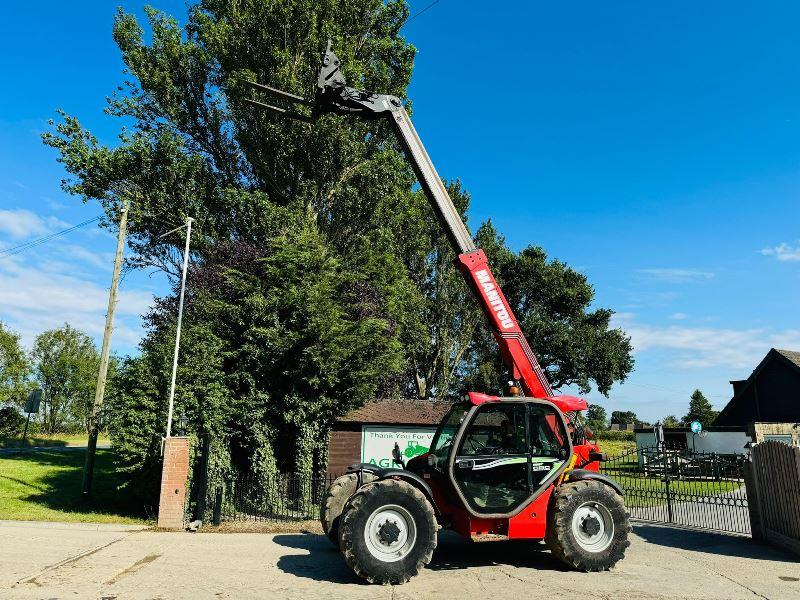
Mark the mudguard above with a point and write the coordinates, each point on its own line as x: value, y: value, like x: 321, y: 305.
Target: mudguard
x: 410, y: 477
x: 579, y: 474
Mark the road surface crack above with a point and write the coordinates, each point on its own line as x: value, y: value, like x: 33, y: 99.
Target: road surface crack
x: 137, y: 566
x: 34, y: 579
x: 512, y: 576
x: 741, y: 585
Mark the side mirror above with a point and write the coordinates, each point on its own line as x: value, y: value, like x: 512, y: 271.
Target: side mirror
x: 397, y: 457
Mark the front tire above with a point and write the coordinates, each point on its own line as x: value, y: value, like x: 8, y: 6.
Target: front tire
x: 387, y: 532
x: 587, y: 525
x: 335, y: 498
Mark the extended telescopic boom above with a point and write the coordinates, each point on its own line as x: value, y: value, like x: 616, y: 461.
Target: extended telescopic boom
x: 334, y: 96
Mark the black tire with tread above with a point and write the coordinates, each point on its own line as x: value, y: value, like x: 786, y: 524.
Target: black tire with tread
x: 334, y: 500
x: 559, y: 537
x: 353, y: 521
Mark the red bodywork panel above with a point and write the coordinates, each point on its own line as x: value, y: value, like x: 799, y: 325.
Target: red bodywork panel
x: 564, y: 403
x: 516, y: 352
x: 568, y: 403
x: 529, y: 523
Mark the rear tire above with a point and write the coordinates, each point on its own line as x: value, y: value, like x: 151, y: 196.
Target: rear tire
x: 335, y: 498
x: 587, y: 525
x: 387, y: 532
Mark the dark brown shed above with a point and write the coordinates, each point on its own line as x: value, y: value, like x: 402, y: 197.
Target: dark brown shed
x: 344, y: 447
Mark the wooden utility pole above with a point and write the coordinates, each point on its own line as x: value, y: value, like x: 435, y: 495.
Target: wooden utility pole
x: 88, y: 468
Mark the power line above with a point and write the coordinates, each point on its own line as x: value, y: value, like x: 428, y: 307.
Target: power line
x: 416, y: 14
x: 38, y: 242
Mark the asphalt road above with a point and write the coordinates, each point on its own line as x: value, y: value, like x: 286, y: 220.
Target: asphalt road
x: 115, y: 562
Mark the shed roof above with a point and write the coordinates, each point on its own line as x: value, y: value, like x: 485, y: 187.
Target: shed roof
x: 399, y: 412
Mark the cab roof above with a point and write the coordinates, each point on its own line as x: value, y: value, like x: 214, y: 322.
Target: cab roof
x: 564, y: 402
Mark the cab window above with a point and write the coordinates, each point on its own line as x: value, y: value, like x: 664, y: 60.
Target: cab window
x: 506, y: 452
x: 443, y: 440
x: 491, y: 466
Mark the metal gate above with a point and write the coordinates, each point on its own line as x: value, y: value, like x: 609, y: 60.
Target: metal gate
x: 683, y: 488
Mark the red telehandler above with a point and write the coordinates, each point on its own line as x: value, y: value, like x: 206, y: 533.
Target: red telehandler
x: 520, y: 466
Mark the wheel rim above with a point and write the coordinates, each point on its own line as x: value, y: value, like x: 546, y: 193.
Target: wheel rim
x: 390, y: 533
x: 593, y: 527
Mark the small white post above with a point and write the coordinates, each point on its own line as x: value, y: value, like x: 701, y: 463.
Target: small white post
x: 178, y: 332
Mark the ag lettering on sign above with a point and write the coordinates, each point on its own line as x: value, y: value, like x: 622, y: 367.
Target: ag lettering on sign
x: 377, y: 442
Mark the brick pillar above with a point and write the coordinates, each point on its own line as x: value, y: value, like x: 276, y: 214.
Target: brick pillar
x: 174, y: 474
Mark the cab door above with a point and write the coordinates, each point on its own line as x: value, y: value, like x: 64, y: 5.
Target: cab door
x: 491, y: 463
x: 506, y: 452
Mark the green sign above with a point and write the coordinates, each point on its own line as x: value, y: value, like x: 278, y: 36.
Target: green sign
x: 377, y: 442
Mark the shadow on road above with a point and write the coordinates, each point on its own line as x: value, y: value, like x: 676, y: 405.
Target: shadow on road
x: 455, y: 552
x: 324, y: 562
x: 710, y: 543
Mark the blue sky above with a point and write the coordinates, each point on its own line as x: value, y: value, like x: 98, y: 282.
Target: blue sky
x: 652, y: 146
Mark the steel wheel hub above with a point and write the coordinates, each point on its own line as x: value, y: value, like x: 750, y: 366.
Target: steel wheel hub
x: 390, y: 533
x: 593, y: 527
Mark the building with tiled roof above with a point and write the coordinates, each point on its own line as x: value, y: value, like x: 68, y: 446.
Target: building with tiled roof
x: 368, y: 433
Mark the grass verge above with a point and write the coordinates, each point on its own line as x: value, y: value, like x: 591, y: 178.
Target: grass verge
x: 45, y: 485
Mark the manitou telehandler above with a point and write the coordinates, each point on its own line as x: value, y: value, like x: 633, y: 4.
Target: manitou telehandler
x: 520, y: 466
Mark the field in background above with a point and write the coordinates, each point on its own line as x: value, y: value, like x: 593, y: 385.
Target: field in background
x: 615, y: 447
x: 56, y: 439
x: 46, y: 486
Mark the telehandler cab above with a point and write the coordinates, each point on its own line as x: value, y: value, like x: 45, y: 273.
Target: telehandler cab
x: 522, y: 466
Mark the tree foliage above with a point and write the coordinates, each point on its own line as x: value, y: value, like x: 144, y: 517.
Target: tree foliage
x: 597, y: 418
x: 66, y: 369
x: 671, y: 421
x: 11, y: 421
x: 15, y: 368
x: 279, y: 342
x: 700, y: 409
x: 623, y: 417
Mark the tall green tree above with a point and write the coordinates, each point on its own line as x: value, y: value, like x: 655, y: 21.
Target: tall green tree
x: 279, y: 342
x: 671, y: 421
x: 576, y: 345
x: 597, y: 418
x: 15, y: 368
x: 700, y: 409
x: 197, y: 148
x: 622, y: 417
x: 66, y: 363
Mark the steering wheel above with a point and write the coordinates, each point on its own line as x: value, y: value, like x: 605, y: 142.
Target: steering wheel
x: 536, y: 448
